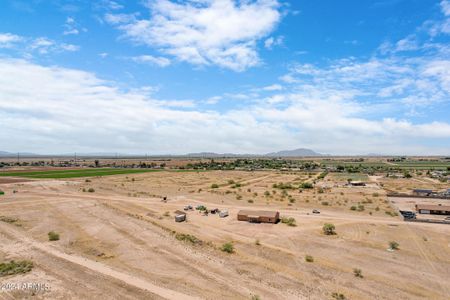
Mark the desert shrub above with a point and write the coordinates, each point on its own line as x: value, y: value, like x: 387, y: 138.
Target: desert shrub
x: 291, y: 200
x: 87, y: 180
x: 188, y: 238
x: 13, y: 267
x: 325, y: 203
x: 358, y: 273
x: 91, y: 190
x: 394, y: 245
x: 320, y: 191
x: 250, y: 201
x: 338, y: 296
x: 329, y: 229
x: 231, y: 181
x: 166, y: 214
x: 238, y: 197
x: 53, y: 236
x: 256, y: 297
x: 227, y: 247
x: 257, y: 242
x: 353, y: 207
x: 361, y: 207
x: 306, y: 185
x: 375, y: 195
x: 9, y: 220
x: 214, y: 186
x: 289, y: 221
x: 249, y: 190
x: 309, y: 258
x: 267, y: 193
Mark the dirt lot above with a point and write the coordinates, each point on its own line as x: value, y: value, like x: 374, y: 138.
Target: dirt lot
x: 119, y: 242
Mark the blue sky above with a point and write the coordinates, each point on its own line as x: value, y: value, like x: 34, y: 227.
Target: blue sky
x: 161, y: 76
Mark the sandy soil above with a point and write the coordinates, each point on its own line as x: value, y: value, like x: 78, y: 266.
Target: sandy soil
x: 118, y: 242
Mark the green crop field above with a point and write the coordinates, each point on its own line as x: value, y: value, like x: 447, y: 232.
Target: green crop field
x: 55, y: 174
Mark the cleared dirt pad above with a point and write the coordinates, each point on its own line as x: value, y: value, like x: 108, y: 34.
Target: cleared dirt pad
x: 119, y: 243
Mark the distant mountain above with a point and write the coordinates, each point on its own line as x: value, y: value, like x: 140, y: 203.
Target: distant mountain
x: 285, y: 153
x: 294, y: 153
x: 4, y: 153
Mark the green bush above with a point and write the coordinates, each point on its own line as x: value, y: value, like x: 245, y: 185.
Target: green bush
x: 227, y: 247
x: 13, y: 267
x: 309, y: 258
x: 306, y: 185
x: 289, y: 221
x: 394, y: 245
x: 2, y: 192
x: 358, y: 273
x: 53, y: 236
x: 188, y: 238
x: 338, y: 296
x: 329, y: 229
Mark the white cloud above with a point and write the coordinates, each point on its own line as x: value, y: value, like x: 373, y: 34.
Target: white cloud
x: 445, y: 6
x: 7, y: 40
x: 149, y: 59
x: 53, y: 109
x: 72, y: 27
x: 272, y: 42
x: 45, y: 46
x: 204, y: 32
x: 273, y: 87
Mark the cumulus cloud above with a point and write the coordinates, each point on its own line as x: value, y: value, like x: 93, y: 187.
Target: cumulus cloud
x: 272, y: 42
x: 53, y: 109
x: 153, y: 60
x: 204, y: 32
x: 445, y: 6
x: 71, y: 27
x: 7, y: 40
x: 40, y: 45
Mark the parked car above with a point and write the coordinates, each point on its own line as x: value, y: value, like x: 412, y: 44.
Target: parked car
x: 223, y: 213
x: 316, y: 211
x: 188, y: 207
x: 214, y: 210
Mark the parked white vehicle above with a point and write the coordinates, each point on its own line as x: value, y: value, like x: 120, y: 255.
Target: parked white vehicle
x: 223, y: 213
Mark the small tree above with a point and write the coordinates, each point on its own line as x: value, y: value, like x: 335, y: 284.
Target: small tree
x: 227, y: 247
x: 329, y: 229
x: 358, y: 273
x: 53, y: 236
x: 394, y: 245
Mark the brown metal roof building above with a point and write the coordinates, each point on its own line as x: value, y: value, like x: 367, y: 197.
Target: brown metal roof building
x: 258, y: 216
x: 433, y: 209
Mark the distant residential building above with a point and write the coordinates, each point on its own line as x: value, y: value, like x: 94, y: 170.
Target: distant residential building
x: 433, y: 209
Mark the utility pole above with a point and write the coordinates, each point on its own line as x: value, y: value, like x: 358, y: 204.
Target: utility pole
x: 18, y: 157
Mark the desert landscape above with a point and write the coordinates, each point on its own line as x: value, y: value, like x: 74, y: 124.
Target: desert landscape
x: 117, y: 237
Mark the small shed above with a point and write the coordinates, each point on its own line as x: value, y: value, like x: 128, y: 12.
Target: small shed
x: 258, y: 216
x: 433, y: 209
